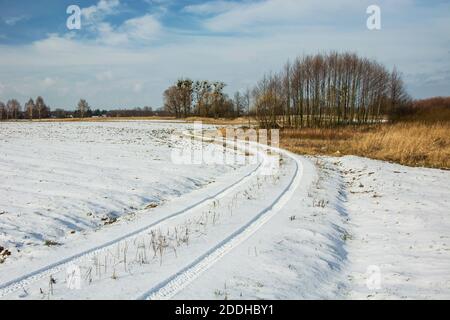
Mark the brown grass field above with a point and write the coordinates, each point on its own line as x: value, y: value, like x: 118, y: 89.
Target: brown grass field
x: 412, y: 144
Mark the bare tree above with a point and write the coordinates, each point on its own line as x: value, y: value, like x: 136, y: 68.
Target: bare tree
x: 2, y: 111
x: 173, y: 101
x: 83, y: 107
x: 397, y: 93
x: 247, y: 102
x: 40, y: 106
x: 202, y: 98
x: 268, y: 101
x: 239, y: 104
x: 13, y: 109
x: 185, y: 86
x: 218, y: 99
x: 203, y: 94
x: 29, y: 108
x: 326, y: 90
x: 286, y: 79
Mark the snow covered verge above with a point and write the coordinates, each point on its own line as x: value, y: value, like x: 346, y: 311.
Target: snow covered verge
x: 357, y: 229
x: 399, y: 228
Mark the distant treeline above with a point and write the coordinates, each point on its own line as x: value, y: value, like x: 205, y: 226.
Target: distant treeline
x: 34, y: 110
x: 13, y: 110
x: 435, y: 109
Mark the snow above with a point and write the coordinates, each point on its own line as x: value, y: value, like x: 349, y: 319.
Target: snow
x: 299, y: 255
x: 400, y: 223
x: 318, y: 228
x: 57, y: 178
x: 376, y: 216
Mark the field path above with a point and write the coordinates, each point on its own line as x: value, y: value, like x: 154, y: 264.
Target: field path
x: 174, y: 284
x: 45, y: 272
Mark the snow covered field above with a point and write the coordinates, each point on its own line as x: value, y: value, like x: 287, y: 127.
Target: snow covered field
x: 99, y: 210
x: 58, y: 179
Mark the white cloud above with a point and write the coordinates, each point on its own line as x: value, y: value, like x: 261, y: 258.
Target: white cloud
x: 139, y: 29
x: 137, y: 87
x: 12, y: 21
x: 109, y: 35
x: 212, y: 7
x: 48, y: 82
x: 94, y: 20
x: 268, y: 12
x: 143, y: 28
x: 264, y: 14
x: 146, y: 27
x: 136, y: 30
x: 98, y: 12
x: 112, y: 76
x: 104, y: 76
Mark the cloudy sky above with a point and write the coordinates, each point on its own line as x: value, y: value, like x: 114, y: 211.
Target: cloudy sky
x: 127, y: 52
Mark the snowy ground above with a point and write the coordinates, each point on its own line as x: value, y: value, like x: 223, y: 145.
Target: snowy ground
x: 400, y: 223
x: 357, y: 229
x: 317, y: 228
x: 61, y: 179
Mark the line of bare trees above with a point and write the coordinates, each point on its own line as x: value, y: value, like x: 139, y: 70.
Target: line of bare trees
x: 12, y: 110
x: 327, y: 90
x: 314, y: 91
x: 202, y: 98
x: 38, y: 109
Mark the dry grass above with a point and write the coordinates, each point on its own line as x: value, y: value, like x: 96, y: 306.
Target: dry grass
x: 413, y: 144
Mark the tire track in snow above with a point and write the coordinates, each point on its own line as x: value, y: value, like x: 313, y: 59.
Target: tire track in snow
x: 177, y: 282
x: 54, y: 268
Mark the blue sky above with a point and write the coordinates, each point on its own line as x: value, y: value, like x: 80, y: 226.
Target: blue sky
x: 127, y: 51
